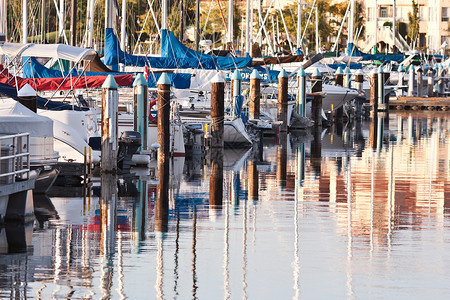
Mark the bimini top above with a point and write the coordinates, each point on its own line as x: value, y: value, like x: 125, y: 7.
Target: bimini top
x: 60, y: 51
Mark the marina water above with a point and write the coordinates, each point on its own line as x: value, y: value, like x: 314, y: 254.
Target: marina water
x: 352, y: 212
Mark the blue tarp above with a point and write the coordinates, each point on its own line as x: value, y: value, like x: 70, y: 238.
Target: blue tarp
x: 34, y: 69
x: 174, y: 56
x: 354, y: 51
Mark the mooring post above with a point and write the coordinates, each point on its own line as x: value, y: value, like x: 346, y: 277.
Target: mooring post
x: 411, y: 81
x: 316, y: 105
x: 163, y: 117
x: 255, y: 95
x: 141, y: 108
x: 236, y: 82
x: 28, y: 97
x: 217, y: 143
x: 374, y: 90
x: 110, y: 100
x: 162, y: 196
x: 419, y: 82
x: 430, y: 88
x: 301, y: 98
x: 283, y: 99
x: 281, y: 174
x: 339, y: 77
x: 401, y: 81
x: 359, y: 85
x: 347, y: 77
x: 441, y: 85
x: 253, y: 180
x: 381, y: 103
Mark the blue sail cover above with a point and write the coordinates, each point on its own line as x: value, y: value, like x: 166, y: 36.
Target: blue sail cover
x: 354, y: 51
x: 34, y: 69
x: 174, y: 56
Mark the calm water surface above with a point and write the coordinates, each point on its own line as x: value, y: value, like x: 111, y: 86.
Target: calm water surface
x: 358, y: 212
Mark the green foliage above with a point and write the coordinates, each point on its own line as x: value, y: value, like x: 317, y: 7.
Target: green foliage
x: 413, y: 18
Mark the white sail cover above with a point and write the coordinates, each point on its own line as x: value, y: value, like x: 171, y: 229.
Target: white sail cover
x: 13, y: 49
x: 16, y: 118
x: 60, y: 51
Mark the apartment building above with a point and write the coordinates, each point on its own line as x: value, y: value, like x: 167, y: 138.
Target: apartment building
x: 434, y: 23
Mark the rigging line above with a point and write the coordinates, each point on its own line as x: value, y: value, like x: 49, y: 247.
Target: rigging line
x: 145, y: 22
x: 285, y: 28
x: 207, y: 17
x: 263, y: 22
x: 307, y: 23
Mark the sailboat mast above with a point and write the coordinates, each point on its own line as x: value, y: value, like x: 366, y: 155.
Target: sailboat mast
x: 90, y: 22
x: 43, y: 17
x: 163, y: 14
x: 351, y: 26
x: 299, y: 24
x: 197, y: 24
x: 317, y: 32
x: 376, y: 24
x: 230, y: 22
x: 109, y: 13
x: 24, y: 22
x: 123, y: 32
x: 394, y: 28
x: 73, y: 23
x: 3, y: 23
x: 61, y: 19
x: 247, y: 29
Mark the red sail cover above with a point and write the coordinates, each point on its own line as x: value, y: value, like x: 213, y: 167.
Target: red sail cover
x: 69, y: 83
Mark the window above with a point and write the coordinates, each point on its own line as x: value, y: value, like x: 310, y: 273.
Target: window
x: 445, y: 17
x: 371, y: 14
x: 422, y: 13
x: 383, y: 12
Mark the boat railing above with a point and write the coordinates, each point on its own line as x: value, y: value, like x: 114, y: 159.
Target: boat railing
x: 14, y: 157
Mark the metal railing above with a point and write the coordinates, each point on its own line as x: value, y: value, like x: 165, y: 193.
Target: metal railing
x: 14, y: 157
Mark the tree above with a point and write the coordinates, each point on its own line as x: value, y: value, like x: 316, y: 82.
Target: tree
x: 413, y: 18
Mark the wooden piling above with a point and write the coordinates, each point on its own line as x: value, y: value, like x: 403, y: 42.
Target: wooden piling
x: 28, y: 97
x: 374, y: 90
x: 411, y: 81
x: 316, y: 105
x: 430, y: 87
x: 110, y: 100
x: 301, y: 97
x: 281, y: 174
x: 282, y: 100
x: 162, y: 196
x: 236, y: 82
x: 141, y: 109
x: 347, y: 77
x: 253, y: 181
x: 401, y: 81
x: 441, y: 86
x: 419, y: 82
x: 217, y: 125
x: 359, y: 85
x: 217, y: 111
x: 163, y: 117
x: 380, y: 88
x: 339, y: 77
x: 255, y: 95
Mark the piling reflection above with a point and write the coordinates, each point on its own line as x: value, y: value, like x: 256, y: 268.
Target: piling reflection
x: 371, y: 206
x: 162, y: 196
x: 282, y: 160
x: 216, y: 178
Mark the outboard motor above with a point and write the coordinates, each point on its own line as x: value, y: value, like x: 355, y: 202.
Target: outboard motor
x: 129, y: 143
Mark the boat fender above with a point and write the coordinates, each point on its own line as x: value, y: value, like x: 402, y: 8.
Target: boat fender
x: 151, y: 118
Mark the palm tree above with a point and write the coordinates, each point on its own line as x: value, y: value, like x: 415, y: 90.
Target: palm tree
x: 413, y: 18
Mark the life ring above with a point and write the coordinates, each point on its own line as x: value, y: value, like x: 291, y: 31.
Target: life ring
x: 151, y: 118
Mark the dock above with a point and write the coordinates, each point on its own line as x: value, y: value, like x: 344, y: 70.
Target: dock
x: 420, y: 103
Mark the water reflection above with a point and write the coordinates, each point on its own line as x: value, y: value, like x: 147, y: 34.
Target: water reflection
x: 366, y: 220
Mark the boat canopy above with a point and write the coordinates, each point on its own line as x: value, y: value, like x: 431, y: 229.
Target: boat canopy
x: 13, y: 49
x: 174, y: 55
x: 59, y: 51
